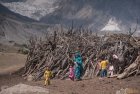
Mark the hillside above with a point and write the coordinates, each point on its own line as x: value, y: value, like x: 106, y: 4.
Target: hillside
x: 15, y: 28
x: 19, y: 32
x: 93, y: 14
x: 8, y: 13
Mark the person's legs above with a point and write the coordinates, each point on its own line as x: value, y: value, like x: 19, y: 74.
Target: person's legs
x: 49, y: 82
x: 72, y: 78
x: 46, y: 81
x: 102, y: 73
x: 111, y: 73
x: 81, y: 71
x: 105, y: 73
x: 77, y: 73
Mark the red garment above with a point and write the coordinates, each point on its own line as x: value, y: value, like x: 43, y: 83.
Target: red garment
x: 71, y: 73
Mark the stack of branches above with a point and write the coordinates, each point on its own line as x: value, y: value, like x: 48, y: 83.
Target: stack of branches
x: 56, y: 51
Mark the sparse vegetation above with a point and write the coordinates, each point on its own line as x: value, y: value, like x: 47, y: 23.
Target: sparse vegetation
x: 23, y: 50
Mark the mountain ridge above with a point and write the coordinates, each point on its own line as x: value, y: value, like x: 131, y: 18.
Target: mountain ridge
x: 93, y: 14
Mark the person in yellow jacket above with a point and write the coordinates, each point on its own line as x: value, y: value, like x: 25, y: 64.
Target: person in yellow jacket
x: 47, y: 75
x: 104, y: 64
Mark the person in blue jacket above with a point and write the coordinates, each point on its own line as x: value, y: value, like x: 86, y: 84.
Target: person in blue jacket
x: 79, y: 65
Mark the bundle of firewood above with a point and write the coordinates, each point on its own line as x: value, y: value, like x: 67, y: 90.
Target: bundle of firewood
x: 58, y: 49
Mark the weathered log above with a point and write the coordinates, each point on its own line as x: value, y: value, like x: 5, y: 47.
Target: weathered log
x: 131, y: 69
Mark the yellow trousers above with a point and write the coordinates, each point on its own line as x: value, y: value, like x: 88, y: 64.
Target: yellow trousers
x: 47, y: 81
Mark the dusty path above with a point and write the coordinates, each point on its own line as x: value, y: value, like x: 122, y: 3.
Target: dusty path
x: 10, y: 62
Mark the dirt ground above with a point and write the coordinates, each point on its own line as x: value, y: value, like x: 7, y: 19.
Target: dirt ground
x: 10, y: 62
x: 86, y: 86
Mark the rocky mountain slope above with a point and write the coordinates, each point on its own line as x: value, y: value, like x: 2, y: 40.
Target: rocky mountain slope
x: 94, y: 14
x: 7, y: 13
x: 32, y: 8
x: 15, y: 28
x: 14, y: 31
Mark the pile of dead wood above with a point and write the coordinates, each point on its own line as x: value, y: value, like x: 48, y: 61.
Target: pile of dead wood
x: 57, y: 51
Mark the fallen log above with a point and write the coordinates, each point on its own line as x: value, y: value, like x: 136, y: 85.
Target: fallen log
x: 133, y: 68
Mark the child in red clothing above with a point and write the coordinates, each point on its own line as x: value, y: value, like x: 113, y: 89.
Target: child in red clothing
x: 71, y: 72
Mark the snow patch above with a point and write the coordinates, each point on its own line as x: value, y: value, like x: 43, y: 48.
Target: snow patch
x: 112, y: 25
